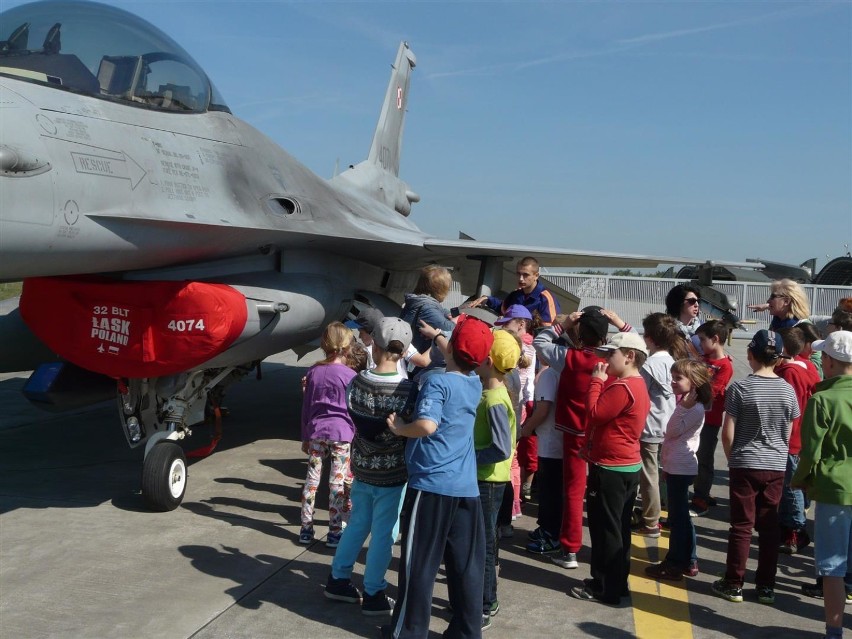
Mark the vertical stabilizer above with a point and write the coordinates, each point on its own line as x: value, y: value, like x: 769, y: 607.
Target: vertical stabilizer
x: 387, y: 142
x: 378, y: 175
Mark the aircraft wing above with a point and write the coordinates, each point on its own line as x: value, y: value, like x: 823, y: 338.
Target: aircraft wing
x: 446, y: 251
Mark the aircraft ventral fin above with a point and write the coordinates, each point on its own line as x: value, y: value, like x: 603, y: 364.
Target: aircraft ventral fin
x: 557, y: 257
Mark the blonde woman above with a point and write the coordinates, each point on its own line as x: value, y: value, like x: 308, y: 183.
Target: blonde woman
x: 787, y: 303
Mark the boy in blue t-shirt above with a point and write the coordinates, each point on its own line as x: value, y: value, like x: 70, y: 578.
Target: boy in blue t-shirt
x: 441, y: 515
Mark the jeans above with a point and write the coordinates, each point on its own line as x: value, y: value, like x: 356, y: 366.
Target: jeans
x: 491, y: 496
x: 791, y: 510
x: 682, y: 539
x: 754, y: 506
x: 375, y: 512
x: 706, y: 453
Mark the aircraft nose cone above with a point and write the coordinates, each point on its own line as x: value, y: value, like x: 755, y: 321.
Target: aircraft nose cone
x: 17, y: 161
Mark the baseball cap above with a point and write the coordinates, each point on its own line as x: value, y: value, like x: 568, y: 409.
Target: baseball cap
x: 625, y: 340
x: 369, y: 319
x: 392, y: 329
x: 471, y: 340
x: 593, y: 319
x: 505, y: 351
x: 515, y: 311
x: 838, y: 345
x: 764, y: 340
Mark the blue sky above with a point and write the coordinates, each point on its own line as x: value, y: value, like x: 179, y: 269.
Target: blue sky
x: 706, y: 129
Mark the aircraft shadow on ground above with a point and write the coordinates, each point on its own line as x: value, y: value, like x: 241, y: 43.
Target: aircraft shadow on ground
x: 295, y: 585
x: 80, y: 458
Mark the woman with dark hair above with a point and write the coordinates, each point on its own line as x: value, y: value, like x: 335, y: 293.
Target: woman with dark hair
x: 682, y: 303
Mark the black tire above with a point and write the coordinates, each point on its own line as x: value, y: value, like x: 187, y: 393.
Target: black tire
x: 164, y: 477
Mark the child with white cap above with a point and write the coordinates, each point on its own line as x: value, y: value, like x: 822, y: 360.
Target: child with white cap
x: 378, y: 464
x: 825, y: 473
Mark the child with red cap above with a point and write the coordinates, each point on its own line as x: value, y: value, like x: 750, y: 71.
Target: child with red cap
x: 441, y: 516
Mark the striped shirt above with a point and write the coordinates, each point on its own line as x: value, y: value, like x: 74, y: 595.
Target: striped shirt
x: 762, y: 408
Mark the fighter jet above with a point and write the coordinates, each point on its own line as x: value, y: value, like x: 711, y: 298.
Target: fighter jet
x: 166, y: 247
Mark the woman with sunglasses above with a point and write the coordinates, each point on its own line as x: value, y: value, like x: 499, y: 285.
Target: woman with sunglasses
x: 682, y: 303
x: 787, y: 303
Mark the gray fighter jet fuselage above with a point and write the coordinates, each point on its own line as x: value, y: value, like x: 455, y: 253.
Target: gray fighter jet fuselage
x: 168, y: 245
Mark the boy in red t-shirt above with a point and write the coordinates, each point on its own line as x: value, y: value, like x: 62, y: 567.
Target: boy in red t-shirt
x: 803, y: 379
x: 711, y: 336
x: 617, y: 408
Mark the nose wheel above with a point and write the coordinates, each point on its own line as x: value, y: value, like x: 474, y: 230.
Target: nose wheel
x: 164, y: 477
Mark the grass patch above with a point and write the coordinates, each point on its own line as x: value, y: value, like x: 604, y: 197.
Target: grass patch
x: 10, y: 289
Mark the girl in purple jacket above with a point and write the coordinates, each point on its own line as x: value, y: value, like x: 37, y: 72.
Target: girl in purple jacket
x: 327, y: 431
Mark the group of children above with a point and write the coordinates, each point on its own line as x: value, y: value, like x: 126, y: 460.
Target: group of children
x: 436, y: 460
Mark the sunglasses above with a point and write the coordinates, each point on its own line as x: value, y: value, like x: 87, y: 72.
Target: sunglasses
x: 776, y: 296
x: 691, y: 300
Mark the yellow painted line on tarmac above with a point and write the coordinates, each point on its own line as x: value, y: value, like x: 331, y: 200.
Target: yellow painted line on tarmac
x: 660, y: 608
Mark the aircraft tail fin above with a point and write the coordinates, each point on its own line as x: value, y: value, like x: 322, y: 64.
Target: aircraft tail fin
x: 378, y: 175
x: 387, y: 141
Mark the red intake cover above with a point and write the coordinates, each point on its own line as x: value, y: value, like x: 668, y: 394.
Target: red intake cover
x: 133, y: 329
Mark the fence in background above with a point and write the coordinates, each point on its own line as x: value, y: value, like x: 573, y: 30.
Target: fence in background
x: 635, y: 297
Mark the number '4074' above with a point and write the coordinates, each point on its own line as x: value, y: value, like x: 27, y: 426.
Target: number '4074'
x: 183, y: 326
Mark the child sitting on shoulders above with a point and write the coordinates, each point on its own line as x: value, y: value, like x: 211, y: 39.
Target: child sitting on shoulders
x: 691, y: 381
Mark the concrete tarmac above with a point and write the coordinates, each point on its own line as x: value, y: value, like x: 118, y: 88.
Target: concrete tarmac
x: 80, y: 557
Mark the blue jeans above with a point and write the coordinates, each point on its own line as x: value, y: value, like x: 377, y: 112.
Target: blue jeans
x: 682, y: 539
x: 491, y: 496
x: 791, y: 510
x: 375, y: 511
x: 832, y: 540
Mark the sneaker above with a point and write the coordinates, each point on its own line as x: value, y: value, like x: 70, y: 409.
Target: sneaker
x: 506, y: 532
x: 495, y: 608
x: 728, y: 590
x: 306, y: 535
x: 815, y: 591
x: 692, y: 571
x: 544, y: 546
x: 565, y: 560
x: 699, y: 507
x: 535, y: 535
x: 648, y: 531
x: 526, y: 493
x: 342, y: 590
x: 332, y: 540
x: 486, y: 622
x: 790, y: 543
x: 664, y: 523
x: 664, y: 570
x: 766, y: 595
x: 584, y: 593
x: 377, y: 604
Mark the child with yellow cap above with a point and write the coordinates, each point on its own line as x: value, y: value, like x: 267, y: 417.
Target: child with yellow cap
x: 494, y: 431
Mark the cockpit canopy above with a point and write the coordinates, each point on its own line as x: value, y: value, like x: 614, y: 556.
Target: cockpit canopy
x: 103, y: 52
